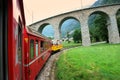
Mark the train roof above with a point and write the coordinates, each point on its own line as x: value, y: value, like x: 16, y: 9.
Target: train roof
x: 35, y: 33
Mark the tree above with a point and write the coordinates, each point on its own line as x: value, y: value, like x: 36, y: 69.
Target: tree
x: 77, y: 36
x: 68, y: 36
x: 101, y: 25
x: 99, y: 30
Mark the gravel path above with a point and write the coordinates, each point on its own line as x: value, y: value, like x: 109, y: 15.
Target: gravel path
x: 47, y: 72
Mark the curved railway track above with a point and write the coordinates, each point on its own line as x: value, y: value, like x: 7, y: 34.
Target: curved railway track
x: 47, y: 73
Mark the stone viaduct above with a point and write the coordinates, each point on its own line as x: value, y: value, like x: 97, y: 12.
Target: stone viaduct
x: 82, y: 16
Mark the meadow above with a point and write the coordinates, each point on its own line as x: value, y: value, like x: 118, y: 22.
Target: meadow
x: 71, y: 44
x: 98, y: 62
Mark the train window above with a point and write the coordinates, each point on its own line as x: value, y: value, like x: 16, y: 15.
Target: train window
x: 19, y: 44
x: 36, y: 48
x: 19, y: 48
x: 45, y: 45
x: 31, y: 49
x: 42, y: 46
x: 48, y: 45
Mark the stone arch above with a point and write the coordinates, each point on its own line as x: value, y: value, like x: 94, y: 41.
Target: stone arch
x: 42, y: 27
x: 99, y: 12
x: 117, y: 11
x: 64, y: 19
x: 106, y: 24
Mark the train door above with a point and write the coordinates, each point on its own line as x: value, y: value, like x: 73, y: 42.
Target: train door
x: 3, y: 40
x: 36, y: 56
x: 39, y: 53
x: 31, y: 58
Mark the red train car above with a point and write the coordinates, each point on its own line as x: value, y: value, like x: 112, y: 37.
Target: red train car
x: 37, y: 50
x: 12, y: 22
x: 23, y: 52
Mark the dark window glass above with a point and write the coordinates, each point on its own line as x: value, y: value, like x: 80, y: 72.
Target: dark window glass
x: 42, y: 46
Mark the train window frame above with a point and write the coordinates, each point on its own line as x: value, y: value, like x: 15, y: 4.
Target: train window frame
x: 39, y: 42
x: 45, y: 45
x: 43, y: 57
x: 41, y: 46
x: 31, y: 55
x: 19, y: 44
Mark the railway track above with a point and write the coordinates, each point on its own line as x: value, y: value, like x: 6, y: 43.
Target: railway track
x: 47, y: 73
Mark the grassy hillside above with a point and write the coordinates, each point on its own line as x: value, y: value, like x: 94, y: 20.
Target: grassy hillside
x: 71, y: 44
x: 100, y: 62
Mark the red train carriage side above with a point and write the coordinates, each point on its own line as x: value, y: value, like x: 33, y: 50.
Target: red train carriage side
x: 37, y: 50
x: 12, y: 23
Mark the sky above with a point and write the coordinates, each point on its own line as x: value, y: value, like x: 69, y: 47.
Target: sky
x: 36, y: 10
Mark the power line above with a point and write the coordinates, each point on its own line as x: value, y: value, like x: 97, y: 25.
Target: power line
x: 29, y: 12
x: 81, y: 4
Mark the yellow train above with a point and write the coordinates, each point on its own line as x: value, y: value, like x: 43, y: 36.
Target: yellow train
x: 56, y: 45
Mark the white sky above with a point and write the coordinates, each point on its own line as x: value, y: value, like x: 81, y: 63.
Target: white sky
x: 36, y: 10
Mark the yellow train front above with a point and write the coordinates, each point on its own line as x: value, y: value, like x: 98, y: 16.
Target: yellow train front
x: 56, y: 45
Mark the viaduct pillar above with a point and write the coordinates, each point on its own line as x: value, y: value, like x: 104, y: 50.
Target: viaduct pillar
x: 113, y: 30
x: 57, y: 33
x: 85, y: 31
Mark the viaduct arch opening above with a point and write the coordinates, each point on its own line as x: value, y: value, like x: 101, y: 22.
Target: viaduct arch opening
x: 68, y: 26
x: 118, y: 20
x: 98, y: 23
x: 47, y: 30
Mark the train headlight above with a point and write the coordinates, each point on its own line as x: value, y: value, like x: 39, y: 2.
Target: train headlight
x: 26, y: 40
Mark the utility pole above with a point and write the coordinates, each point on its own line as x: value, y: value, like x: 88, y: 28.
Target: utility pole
x: 32, y: 16
x: 81, y: 7
x: 81, y: 4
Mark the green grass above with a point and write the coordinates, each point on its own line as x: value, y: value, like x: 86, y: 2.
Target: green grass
x: 71, y: 44
x: 98, y: 62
